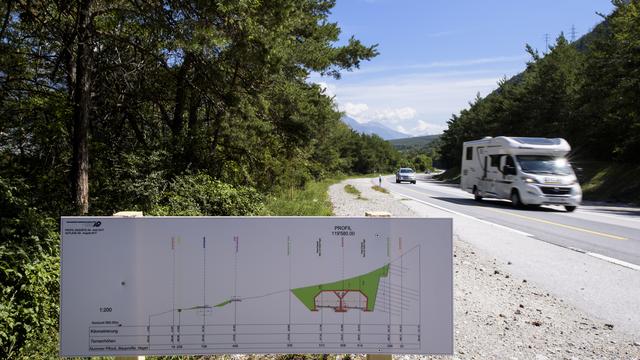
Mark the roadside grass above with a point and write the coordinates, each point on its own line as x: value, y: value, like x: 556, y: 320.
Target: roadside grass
x: 380, y: 189
x: 606, y: 181
x: 350, y: 189
x: 451, y: 175
x: 313, y: 200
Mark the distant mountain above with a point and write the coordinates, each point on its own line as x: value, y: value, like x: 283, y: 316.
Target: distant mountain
x: 373, y: 127
x: 418, y: 142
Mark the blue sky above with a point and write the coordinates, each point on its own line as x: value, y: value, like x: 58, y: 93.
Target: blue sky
x: 436, y: 55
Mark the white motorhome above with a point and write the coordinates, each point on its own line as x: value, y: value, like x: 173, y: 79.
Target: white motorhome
x: 527, y: 171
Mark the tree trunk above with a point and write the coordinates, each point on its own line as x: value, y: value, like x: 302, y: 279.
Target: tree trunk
x: 81, y: 109
x: 181, y: 96
x: 192, y: 143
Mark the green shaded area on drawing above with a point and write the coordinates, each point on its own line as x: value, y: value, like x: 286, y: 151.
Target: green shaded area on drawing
x: 224, y: 303
x: 367, y: 284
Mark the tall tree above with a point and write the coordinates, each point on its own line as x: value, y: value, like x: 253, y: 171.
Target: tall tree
x: 82, y: 91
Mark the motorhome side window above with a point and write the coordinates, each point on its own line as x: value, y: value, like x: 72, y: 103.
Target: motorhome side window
x: 510, y: 162
x: 495, y: 160
x: 470, y: 153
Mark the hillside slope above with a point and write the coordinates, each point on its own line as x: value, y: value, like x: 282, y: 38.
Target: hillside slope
x: 414, y: 142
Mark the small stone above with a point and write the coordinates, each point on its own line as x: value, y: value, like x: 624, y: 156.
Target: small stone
x: 501, y: 315
x: 496, y: 272
x: 518, y: 312
x: 636, y: 343
x: 524, y: 280
x: 608, y: 326
x: 536, y: 323
x: 507, y: 276
x: 508, y: 262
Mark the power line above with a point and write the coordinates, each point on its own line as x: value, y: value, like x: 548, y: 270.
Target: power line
x: 573, y: 33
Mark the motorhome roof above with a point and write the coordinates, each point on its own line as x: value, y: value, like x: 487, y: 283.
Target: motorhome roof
x: 531, y: 145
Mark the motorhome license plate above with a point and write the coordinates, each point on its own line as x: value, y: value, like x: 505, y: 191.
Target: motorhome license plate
x: 557, y: 201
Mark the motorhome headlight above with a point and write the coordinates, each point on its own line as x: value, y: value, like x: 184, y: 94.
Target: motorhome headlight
x: 561, y: 162
x: 530, y: 180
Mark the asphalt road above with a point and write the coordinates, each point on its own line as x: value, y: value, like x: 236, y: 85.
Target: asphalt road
x: 610, y: 232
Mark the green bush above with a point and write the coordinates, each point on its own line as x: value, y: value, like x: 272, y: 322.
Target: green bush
x: 137, y: 182
x: 200, y: 194
x: 29, y: 272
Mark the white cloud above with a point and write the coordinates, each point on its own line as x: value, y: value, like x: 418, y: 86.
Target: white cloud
x: 405, y: 98
x: 393, y: 115
x: 419, y: 99
x: 354, y: 110
x: 417, y: 104
x: 425, y: 128
x: 363, y: 113
x: 401, y: 129
x: 518, y: 59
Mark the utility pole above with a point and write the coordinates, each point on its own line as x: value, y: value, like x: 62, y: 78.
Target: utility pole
x: 546, y: 42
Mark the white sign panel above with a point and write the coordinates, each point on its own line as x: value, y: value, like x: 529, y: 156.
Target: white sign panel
x: 207, y: 285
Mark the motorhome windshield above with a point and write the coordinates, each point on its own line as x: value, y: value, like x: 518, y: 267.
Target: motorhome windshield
x: 540, y: 164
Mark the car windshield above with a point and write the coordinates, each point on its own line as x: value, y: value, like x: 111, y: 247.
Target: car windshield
x: 539, y: 164
x: 406, y: 171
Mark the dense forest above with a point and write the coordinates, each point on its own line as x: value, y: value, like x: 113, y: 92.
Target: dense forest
x: 168, y: 107
x: 586, y: 92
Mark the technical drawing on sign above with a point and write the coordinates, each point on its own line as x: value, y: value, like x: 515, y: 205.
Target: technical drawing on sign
x: 355, y: 293
x: 360, y: 292
x: 220, y: 287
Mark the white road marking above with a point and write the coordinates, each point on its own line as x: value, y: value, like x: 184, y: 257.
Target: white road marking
x: 464, y: 215
x: 614, y: 261
x: 592, y: 254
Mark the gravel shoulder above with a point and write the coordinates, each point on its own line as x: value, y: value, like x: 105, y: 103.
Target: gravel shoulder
x: 499, y: 315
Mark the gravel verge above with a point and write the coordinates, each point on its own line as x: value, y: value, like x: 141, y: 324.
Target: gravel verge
x: 497, y: 315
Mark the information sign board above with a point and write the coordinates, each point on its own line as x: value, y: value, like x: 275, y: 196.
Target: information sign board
x: 207, y: 285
